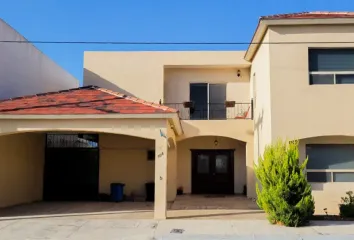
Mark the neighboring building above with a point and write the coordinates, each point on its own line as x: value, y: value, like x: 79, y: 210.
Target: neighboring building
x: 26, y: 70
x: 207, y: 115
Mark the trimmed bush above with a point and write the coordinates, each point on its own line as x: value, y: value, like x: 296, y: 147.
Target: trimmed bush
x: 346, y: 209
x: 285, y: 194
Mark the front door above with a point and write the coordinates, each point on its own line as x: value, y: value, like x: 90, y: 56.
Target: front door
x: 212, y: 171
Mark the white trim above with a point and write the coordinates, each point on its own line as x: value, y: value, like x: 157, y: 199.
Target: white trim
x: 332, y: 72
x: 331, y: 170
x: 92, y: 116
x: 208, y: 100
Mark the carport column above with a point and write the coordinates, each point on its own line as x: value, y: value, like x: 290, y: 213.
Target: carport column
x: 172, y: 170
x: 251, y: 179
x: 160, y: 205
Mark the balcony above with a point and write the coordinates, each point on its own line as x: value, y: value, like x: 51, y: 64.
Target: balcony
x: 213, y: 111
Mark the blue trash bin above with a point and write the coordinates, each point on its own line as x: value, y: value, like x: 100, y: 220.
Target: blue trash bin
x: 117, y: 192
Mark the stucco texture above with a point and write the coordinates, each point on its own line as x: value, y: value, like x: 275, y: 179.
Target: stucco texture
x: 21, y: 168
x: 300, y: 110
x: 124, y: 159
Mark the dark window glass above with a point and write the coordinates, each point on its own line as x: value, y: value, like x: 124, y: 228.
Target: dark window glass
x: 330, y: 156
x: 321, y: 79
x: 217, y: 98
x: 345, y: 78
x: 203, y: 164
x: 221, y: 163
x: 343, y: 177
x: 339, y: 59
x: 319, y: 177
x: 199, y: 96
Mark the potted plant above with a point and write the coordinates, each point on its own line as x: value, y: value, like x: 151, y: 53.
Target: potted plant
x: 230, y: 104
x: 188, y: 104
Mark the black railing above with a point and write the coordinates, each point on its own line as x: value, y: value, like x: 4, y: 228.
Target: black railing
x: 213, y: 111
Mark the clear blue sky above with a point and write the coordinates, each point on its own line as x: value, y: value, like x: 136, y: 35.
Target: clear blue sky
x: 145, y: 20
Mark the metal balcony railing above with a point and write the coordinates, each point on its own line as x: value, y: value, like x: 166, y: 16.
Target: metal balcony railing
x: 213, y: 111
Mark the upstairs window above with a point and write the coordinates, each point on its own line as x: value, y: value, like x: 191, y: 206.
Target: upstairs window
x: 209, y: 101
x: 331, y: 66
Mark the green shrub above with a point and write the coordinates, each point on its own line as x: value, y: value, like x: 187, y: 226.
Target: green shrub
x: 346, y: 209
x: 285, y: 194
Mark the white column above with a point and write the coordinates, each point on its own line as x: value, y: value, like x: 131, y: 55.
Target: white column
x: 161, y: 150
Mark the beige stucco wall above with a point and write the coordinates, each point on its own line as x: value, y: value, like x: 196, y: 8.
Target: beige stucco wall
x: 300, y: 110
x: 124, y: 144
x: 124, y: 159
x: 172, y: 159
x: 286, y: 106
x: 134, y: 72
x: 177, y: 80
x: 327, y: 195
x: 184, y: 163
x: 241, y: 129
x: 144, y: 128
x: 261, y: 93
x: 170, y: 73
x: 21, y: 168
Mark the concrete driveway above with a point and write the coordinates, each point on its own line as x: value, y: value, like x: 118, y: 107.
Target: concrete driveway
x: 184, y: 207
x: 110, y: 228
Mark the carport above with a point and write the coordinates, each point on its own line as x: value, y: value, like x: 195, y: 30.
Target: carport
x: 28, y: 124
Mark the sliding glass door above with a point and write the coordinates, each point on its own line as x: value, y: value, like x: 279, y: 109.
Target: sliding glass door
x: 209, y: 101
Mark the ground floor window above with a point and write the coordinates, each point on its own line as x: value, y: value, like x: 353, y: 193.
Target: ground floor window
x: 330, y: 162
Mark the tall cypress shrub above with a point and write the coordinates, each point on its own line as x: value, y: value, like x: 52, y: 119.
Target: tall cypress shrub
x: 284, y: 194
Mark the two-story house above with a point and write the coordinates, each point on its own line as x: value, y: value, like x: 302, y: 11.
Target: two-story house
x: 204, y: 120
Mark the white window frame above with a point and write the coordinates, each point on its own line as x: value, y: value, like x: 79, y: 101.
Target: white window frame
x: 330, y: 171
x: 334, y: 73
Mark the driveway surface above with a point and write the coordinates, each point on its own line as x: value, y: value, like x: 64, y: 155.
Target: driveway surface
x: 110, y: 228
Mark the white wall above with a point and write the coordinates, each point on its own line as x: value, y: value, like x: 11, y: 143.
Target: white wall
x: 24, y: 70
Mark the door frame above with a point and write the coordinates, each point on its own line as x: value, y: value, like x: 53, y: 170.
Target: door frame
x: 232, y: 166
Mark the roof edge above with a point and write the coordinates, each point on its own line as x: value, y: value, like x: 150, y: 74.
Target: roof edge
x: 137, y: 100
x: 90, y: 116
x: 264, y: 23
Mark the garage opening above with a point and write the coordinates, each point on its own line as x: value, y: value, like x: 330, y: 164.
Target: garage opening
x: 71, y: 170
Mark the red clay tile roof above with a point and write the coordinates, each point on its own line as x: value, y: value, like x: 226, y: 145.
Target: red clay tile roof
x: 309, y: 15
x: 83, y: 100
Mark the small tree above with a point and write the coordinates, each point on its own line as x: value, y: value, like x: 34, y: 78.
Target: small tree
x: 285, y: 194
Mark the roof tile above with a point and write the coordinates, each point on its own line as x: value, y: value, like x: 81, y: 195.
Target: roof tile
x: 83, y: 100
x: 310, y: 15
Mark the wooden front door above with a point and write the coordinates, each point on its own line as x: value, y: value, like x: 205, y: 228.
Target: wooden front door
x: 213, y: 171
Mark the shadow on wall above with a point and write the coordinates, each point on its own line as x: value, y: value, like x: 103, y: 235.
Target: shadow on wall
x: 258, y: 125
x: 193, y: 129
x: 91, y: 78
